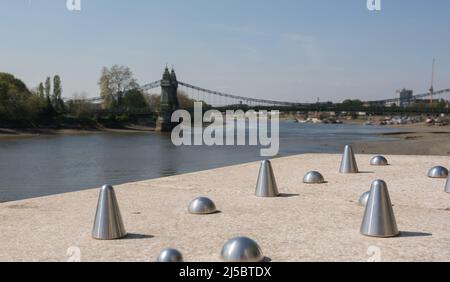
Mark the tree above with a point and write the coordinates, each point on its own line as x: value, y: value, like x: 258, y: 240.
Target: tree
x: 153, y: 101
x: 134, y: 99
x: 79, y: 108
x: 114, y: 83
x: 184, y: 100
x: 18, y: 106
x: 57, y: 101
x: 352, y: 104
x: 41, y: 90
x: 47, y: 88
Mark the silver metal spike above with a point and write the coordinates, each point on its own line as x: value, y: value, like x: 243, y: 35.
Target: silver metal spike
x: 266, y: 185
x: 108, y: 224
x: 379, y: 219
x: 348, y: 164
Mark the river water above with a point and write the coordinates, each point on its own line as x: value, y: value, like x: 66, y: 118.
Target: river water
x: 39, y: 166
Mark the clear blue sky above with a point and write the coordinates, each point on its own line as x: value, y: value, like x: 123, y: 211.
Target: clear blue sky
x: 294, y: 50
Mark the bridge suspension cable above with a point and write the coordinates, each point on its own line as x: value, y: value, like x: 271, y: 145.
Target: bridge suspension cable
x: 240, y: 98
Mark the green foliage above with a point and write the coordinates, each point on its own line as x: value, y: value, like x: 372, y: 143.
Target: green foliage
x: 18, y: 106
x: 134, y: 99
x: 57, y: 102
x: 47, y: 87
x: 114, y: 83
x: 79, y: 109
x: 41, y: 90
x: 352, y: 103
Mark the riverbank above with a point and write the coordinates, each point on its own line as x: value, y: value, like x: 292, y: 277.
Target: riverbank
x: 411, y: 139
x: 308, y: 223
x: 6, y: 133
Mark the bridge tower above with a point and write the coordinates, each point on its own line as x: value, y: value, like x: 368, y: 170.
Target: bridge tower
x: 169, y: 101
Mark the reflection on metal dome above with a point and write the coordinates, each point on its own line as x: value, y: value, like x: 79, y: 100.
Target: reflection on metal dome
x: 241, y: 249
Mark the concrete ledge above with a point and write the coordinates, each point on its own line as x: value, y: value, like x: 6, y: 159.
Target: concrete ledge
x: 309, y: 223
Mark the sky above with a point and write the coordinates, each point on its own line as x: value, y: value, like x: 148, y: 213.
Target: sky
x: 291, y: 50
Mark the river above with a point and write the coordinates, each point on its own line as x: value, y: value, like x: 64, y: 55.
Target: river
x: 46, y: 165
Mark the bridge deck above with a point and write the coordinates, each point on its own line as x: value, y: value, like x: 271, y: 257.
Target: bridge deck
x: 310, y: 223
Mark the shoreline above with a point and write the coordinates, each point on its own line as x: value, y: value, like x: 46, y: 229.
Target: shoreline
x: 411, y: 139
x: 7, y: 133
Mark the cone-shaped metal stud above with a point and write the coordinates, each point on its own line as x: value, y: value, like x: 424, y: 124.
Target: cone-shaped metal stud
x: 379, y: 219
x: 313, y: 177
x: 379, y: 161
x: 267, y: 185
x: 170, y: 255
x: 348, y: 164
x: 438, y: 172
x: 447, y: 186
x: 108, y: 224
x: 202, y: 205
x: 241, y: 249
x: 364, y: 199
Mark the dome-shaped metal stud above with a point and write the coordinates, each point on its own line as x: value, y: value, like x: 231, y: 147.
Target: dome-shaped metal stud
x: 348, y: 164
x: 170, y: 255
x: 313, y: 177
x: 447, y: 186
x: 379, y: 219
x: 241, y: 249
x: 108, y: 224
x: 266, y: 185
x: 202, y: 205
x: 438, y: 172
x: 364, y: 199
x: 379, y: 161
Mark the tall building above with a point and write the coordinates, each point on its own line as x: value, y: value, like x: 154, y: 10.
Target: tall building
x: 404, y: 97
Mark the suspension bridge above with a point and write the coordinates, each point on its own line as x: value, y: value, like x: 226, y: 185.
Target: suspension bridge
x: 171, y: 87
x: 218, y: 99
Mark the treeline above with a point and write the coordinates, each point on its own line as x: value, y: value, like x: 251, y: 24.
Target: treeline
x: 44, y: 106
x: 18, y: 105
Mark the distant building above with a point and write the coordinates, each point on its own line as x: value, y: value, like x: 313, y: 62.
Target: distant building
x: 405, y: 97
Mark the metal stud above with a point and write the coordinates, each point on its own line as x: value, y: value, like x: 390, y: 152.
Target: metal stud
x: 108, y: 224
x: 447, y: 186
x: 364, y: 199
x: 202, y: 205
x: 379, y: 219
x: 348, y: 164
x: 241, y: 249
x: 438, y: 172
x: 313, y: 177
x: 379, y: 161
x: 170, y: 255
x: 266, y: 185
